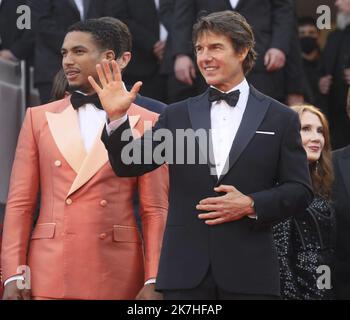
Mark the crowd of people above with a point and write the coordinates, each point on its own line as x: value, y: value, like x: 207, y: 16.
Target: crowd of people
x: 256, y: 220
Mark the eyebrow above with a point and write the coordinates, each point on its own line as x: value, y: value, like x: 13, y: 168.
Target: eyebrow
x: 74, y: 48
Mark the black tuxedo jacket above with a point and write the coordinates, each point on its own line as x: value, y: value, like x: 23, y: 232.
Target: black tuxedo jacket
x: 19, y: 42
x: 51, y: 19
x: 271, y: 168
x: 341, y: 199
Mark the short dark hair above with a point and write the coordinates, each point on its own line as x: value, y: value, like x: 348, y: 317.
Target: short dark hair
x: 307, y: 21
x: 232, y: 25
x: 105, y: 34
x: 126, y: 37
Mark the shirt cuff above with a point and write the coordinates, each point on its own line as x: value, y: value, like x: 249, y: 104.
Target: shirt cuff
x: 14, y: 278
x: 150, y: 281
x: 114, y: 125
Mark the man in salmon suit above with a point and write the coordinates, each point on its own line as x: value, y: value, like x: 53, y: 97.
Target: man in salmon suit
x: 85, y: 244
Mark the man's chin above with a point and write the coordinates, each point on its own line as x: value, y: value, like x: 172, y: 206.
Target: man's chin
x: 75, y: 87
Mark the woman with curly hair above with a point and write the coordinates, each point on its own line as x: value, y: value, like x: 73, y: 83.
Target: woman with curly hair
x: 306, y: 242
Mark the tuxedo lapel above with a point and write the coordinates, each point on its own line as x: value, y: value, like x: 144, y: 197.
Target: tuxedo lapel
x: 199, y: 113
x: 86, y: 4
x: 255, y: 111
x: 95, y: 160
x: 344, y: 164
x: 64, y: 127
x: 92, y: 163
x: 239, y: 5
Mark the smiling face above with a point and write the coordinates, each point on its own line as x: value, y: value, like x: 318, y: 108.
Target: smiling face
x: 80, y: 54
x: 218, y: 61
x: 312, y: 135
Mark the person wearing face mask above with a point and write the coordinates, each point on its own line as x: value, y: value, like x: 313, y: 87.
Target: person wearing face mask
x: 311, y: 54
x: 307, y: 241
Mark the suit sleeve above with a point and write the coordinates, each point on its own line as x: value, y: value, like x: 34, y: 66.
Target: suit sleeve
x: 282, y: 24
x: 153, y: 194
x: 22, y: 200
x: 126, y: 154
x: 293, y: 192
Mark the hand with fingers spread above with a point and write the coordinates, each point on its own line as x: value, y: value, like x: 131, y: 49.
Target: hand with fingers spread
x: 114, y: 97
x: 234, y: 205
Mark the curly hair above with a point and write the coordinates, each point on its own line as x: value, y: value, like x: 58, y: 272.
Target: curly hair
x: 321, y: 171
x: 106, y: 36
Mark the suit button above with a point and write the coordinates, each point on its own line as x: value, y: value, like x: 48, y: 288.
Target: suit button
x: 103, y: 236
x: 58, y: 163
x: 69, y: 201
x: 103, y: 203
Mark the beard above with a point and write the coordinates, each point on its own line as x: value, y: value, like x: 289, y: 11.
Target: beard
x: 343, y: 20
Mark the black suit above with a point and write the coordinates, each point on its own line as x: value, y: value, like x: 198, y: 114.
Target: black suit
x: 19, y: 42
x: 272, y: 169
x: 341, y: 198
x: 51, y: 19
x: 272, y: 22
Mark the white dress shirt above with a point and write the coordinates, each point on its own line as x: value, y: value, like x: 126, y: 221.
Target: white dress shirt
x: 234, y: 3
x: 91, y: 120
x: 225, y: 121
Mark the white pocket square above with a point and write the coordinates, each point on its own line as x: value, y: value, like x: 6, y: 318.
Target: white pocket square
x: 266, y: 132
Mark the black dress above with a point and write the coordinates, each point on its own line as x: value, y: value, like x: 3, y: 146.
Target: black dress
x: 304, y: 243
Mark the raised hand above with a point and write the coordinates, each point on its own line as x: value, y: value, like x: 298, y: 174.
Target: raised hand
x: 114, y: 97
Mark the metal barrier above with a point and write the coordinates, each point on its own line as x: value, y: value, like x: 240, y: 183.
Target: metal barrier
x: 12, y: 109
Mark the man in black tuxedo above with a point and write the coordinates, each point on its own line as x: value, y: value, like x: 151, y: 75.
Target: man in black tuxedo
x: 15, y: 44
x: 218, y: 242
x: 272, y: 22
x: 51, y: 19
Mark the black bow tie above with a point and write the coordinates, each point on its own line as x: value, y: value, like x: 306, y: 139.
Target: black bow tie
x: 78, y: 99
x: 231, y: 98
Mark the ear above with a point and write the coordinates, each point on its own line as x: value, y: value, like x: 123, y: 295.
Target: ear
x: 243, y: 54
x: 124, y: 60
x: 110, y: 55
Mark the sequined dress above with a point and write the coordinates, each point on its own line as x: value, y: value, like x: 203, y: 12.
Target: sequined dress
x: 303, y: 244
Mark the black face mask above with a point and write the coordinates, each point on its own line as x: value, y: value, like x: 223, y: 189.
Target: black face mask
x: 308, y: 44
